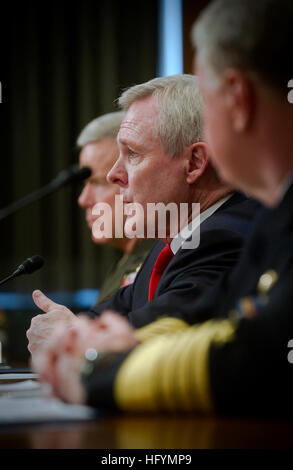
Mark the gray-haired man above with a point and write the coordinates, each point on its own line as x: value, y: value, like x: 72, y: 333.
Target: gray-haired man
x: 99, y: 151
x: 241, y: 364
x: 163, y: 158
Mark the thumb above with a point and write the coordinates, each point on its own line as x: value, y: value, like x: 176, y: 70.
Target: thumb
x: 44, y: 303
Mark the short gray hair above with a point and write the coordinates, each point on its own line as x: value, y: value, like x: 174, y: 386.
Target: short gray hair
x: 253, y: 35
x: 106, y: 126
x: 180, y: 105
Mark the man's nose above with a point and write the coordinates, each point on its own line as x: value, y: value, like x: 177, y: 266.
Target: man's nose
x: 118, y: 174
x: 85, y: 198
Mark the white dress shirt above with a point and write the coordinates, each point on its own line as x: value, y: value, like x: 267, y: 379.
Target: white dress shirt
x: 190, y: 229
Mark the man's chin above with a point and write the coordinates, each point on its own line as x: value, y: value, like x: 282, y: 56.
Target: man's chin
x: 89, y: 224
x: 101, y: 240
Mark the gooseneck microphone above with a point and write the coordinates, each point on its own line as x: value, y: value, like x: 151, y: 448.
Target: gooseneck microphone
x: 29, y: 266
x: 71, y: 175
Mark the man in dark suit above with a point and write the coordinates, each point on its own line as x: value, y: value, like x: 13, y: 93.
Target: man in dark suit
x: 171, y: 166
x: 189, y: 272
x: 239, y: 364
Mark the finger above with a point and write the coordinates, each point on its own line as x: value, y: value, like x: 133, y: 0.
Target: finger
x: 110, y: 312
x: 111, y: 319
x: 38, y: 365
x: 70, y: 341
x: 48, y: 365
x: 106, y: 318
x: 43, y: 302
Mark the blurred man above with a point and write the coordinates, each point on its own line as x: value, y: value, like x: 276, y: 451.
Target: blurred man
x: 163, y: 158
x: 99, y: 152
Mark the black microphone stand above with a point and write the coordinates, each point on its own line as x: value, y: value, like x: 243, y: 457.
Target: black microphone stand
x: 29, y: 266
x: 73, y: 174
x: 29, y: 199
x: 7, y: 278
x: 66, y: 176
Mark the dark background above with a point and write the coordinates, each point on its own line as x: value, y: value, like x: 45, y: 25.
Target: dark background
x: 62, y: 65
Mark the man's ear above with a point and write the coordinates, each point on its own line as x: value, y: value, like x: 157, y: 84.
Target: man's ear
x: 197, y: 161
x: 239, y: 99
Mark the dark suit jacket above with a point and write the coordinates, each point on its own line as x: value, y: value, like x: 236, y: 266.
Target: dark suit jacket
x: 191, y: 271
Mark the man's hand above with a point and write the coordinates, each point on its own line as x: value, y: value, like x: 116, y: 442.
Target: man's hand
x: 42, y: 326
x: 60, y: 361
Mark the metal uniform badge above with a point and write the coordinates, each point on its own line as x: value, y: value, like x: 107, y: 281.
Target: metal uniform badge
x: 249, y: 306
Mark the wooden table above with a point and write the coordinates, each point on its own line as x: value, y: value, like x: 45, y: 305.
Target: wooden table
x: 152, y: 432
x: 157, y: 431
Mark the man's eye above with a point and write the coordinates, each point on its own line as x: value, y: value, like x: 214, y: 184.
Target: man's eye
x: 131, y: 153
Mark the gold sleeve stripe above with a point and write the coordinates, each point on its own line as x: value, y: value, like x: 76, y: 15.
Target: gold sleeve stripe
x: 159, y: 327
x: 170, y: 371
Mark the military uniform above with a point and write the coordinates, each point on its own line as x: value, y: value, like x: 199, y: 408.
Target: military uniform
x: 125, y: 270
x: 234, y: 363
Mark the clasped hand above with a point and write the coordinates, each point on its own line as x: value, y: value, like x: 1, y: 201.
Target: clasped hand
x: 58, y: 340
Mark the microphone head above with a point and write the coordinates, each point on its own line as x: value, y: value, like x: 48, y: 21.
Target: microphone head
x: 31, y: 264
x: 81, y: 173
x: 73, y: 174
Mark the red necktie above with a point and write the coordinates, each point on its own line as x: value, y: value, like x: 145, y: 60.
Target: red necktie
x: 161, y: 263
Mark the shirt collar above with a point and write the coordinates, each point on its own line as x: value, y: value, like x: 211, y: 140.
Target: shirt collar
x: 187, y: 231
x: 285, y: 187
